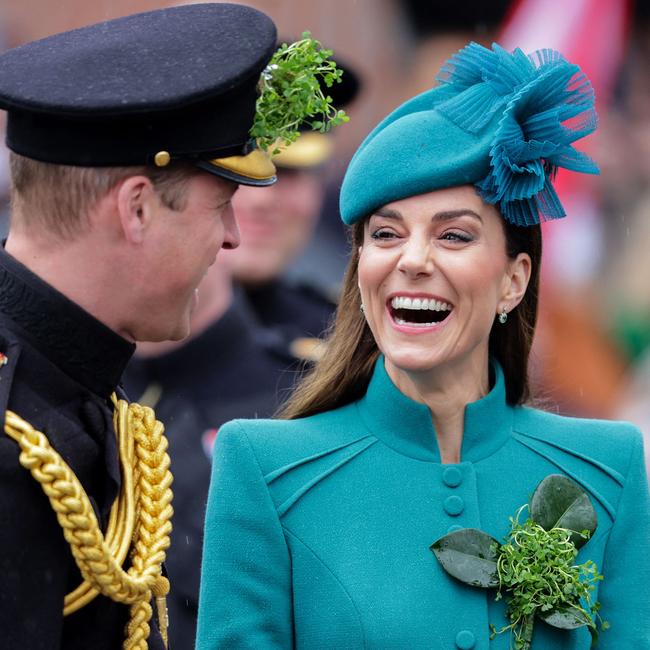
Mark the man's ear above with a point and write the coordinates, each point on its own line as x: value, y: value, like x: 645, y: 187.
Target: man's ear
x: 519, y: 271
x: 136, y: 198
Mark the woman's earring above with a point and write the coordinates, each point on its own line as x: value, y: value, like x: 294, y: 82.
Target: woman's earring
x: 503, y: 316
x: 363, y: 311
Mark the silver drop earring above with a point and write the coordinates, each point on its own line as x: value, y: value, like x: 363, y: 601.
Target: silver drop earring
x: 503, y: 316
x: 363, y: 311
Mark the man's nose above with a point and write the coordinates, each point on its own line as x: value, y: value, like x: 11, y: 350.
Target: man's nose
x: 231, y: 238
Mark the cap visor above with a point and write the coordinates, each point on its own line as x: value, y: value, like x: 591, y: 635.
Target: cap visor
x: 254, y: 169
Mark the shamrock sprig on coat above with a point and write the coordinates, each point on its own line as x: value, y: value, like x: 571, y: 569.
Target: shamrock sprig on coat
x: 534, y: 568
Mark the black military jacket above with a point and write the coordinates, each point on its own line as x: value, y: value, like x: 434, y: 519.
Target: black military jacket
x: 297, y: 310
x: 61, y: 367
x: 233, y: 369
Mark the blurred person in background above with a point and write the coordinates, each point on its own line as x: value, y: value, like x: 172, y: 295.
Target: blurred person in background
x: 277, y: 227
x: 438, y: 27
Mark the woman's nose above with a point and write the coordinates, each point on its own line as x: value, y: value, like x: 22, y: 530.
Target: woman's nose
x: 416, y: 259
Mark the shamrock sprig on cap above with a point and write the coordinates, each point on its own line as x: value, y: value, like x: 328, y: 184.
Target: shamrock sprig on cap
x: 291, y: 94
x: 534, y: 568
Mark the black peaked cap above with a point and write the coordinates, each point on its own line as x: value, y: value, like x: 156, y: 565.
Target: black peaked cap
x: 180, y: 80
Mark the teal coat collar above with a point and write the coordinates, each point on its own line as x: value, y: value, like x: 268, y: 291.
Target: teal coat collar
x: 406, y: 426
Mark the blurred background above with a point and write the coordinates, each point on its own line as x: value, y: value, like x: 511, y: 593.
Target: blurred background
x: 592, y: 353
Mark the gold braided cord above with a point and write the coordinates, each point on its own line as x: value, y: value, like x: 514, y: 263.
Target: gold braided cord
x: 140, y: 520
x: 119, y: 532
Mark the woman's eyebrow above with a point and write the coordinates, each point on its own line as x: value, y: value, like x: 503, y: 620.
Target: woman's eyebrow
x: 389, y: 213
x: 446, y: 215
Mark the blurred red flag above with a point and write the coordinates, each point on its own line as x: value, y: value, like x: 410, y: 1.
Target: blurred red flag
x: 591, y: 33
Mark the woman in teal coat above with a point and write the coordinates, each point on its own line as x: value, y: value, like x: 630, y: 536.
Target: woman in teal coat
x: 414, y: 423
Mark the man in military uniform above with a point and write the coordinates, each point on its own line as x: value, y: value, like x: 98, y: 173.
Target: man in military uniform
x: 129, y: 139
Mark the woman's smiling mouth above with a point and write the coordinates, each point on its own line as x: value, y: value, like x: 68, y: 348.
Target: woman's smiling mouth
x: 418, y: 312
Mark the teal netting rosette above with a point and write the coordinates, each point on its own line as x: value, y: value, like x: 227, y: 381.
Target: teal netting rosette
x: 546, y: 104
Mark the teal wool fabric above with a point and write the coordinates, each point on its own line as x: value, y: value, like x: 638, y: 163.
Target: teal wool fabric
x: 318, y: 529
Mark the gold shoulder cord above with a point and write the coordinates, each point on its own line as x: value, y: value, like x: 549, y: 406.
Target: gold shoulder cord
x: 140, y: 519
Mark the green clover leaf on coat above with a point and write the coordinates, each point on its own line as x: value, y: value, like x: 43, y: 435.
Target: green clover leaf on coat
x: 534, y: 567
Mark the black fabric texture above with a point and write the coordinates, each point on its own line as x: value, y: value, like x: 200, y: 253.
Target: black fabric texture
x: 297, y: 310
x: 89, y: 351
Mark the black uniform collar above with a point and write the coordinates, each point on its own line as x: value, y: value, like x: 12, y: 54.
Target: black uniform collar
x: 84, y: 348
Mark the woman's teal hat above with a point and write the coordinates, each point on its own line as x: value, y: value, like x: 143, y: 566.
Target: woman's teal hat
x: 502, y: 121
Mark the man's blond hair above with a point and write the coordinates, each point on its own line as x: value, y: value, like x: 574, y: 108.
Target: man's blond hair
x: 59, y: 198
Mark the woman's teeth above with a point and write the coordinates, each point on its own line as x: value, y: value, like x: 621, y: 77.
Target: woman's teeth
x: 400, y: 302
x: 419, y: 312
x: 401, y: 321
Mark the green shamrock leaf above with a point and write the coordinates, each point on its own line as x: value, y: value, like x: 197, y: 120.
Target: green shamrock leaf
x: 568, y: 619
x: 469, y: 555
x: 559, y: 503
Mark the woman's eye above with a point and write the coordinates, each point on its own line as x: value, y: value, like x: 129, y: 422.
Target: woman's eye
x: 383, y: 234
x: 453, y: 235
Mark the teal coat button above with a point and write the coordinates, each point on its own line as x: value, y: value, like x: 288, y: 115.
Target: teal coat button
x: 454, y: 505
x: 465, y: 640
x: 452, y: 477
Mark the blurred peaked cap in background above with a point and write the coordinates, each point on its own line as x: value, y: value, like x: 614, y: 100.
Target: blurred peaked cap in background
x: 151, y: 88
x: 313, y: 148
x: 502, y: 121
x: 427, y: 17
x: 345, y: 92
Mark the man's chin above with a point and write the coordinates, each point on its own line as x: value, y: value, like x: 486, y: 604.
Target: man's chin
x: 176, y: 332
x: 181, y: 331
x: 194, y: 301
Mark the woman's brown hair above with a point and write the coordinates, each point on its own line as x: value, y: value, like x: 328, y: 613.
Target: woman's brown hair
x: 341, y: 376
